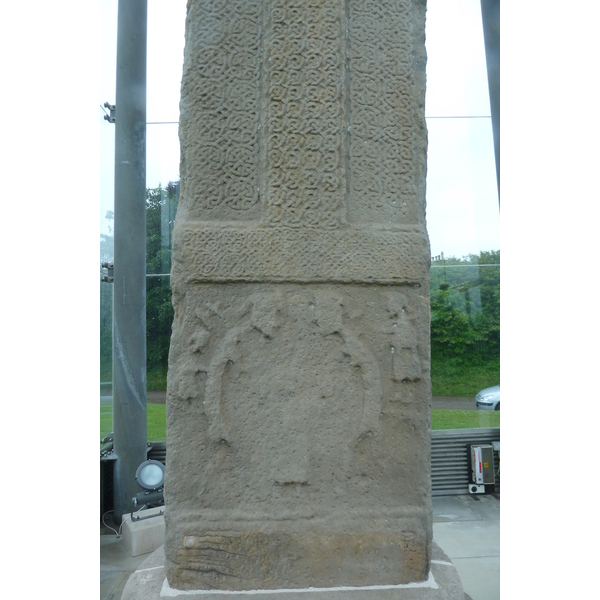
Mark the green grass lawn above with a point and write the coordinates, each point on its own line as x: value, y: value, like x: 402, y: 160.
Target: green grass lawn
x: 156, y: 421
x: 440, y: 419
x: 464, y: 419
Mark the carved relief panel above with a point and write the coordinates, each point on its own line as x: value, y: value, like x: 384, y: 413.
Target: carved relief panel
x: 301, y: 114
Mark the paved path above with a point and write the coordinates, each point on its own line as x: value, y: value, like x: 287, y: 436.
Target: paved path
x: 454, y: 402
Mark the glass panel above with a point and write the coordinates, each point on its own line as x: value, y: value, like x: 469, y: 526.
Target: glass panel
x: 106, y: 303
x: 465, y: 336
x: 166, y: 26
x: 166, y: 38
x: 463, y: 218
x: 463, y: 215
x: 107, y: 89
x: 456, y: 67
x: 162, y: 154
x: 462, y: 202
x: 161, y: 207
x: 159, y: 316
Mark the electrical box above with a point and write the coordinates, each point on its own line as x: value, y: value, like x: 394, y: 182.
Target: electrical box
x: 482, y: 464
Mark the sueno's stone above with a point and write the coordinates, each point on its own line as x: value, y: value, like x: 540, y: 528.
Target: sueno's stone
x: 299, y: 386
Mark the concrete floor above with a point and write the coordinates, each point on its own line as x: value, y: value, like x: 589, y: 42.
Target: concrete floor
x: 116, y: 565
x: 467, y: 528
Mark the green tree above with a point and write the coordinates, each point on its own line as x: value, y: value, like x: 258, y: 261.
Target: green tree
x: 452, y: 333
x: 465, y: 323
x: 161, y: 207
x: 471, y: 286
x: 488, y: 319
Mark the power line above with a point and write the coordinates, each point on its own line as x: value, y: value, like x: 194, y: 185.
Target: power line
x: 461, y: 117
x: 434, y: 117
x: 461, y: 266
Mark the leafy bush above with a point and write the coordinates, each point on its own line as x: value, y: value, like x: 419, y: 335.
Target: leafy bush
x: 465, y: 324
x: 161, y: 207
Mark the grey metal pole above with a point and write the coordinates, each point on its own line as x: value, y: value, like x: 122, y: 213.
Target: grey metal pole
x: 129, y: 294
x: 490, y: 14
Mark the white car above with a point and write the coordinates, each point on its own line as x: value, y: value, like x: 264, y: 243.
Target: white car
x: 488, y: 399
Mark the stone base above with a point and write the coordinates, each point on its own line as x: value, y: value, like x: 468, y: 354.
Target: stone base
x: 149, y: 583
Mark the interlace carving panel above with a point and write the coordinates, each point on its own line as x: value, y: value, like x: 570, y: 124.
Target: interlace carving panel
x: 383, y: 110
x: 302, y: 113
x: 306, y: 67
x: 220, y: 112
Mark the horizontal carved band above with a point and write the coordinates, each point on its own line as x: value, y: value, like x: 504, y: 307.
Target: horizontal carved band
x: 260, y: 254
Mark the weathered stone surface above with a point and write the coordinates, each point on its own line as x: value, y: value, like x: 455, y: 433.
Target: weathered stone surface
x: 442, y: 583
x: 299, y: 415
x: 299, y: 388
x: 276, y: 254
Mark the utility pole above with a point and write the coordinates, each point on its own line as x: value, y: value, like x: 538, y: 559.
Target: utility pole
x: 129, y: 294
x: 490, y: 14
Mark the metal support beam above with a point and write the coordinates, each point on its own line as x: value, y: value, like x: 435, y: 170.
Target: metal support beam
x: 490, y: 13
x: 129, y: 297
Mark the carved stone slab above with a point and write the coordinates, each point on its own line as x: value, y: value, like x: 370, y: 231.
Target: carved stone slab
x: 299, y: 386
x: 349, y: 255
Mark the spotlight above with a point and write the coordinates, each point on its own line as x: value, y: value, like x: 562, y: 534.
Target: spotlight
x: 150, y: 475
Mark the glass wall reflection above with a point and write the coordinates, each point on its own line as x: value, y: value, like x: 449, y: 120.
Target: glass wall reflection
x: 462, y: 200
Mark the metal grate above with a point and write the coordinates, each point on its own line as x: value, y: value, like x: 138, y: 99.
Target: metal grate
x: 449, y: 458
x: 107, y: 468
x: 157, y: 451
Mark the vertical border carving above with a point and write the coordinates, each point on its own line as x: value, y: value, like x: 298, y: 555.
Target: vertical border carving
x: 305, y: 163
x: 381, y: 157
x: 220, y: 113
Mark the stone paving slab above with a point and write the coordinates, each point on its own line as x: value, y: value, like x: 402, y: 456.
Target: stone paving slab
x: 468, y: 539
x: 480, y: 576
x: 485, y: 506
x: 451, y: 508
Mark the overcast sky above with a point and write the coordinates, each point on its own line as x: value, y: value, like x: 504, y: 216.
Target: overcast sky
x: 462, y: 200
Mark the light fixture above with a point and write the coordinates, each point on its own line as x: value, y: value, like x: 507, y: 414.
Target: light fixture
x: 150, y: 475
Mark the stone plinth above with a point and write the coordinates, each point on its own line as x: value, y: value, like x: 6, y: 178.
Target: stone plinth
x: 299, y: 387
x: 442, y: 583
